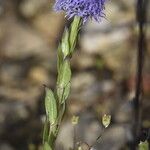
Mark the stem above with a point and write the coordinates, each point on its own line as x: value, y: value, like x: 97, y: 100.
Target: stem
x: 141, y: 18
x: 65, y: 51
x: 97, y: 139
x: 74, y: 137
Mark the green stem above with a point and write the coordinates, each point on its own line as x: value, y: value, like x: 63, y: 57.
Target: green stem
x: 65, y: 51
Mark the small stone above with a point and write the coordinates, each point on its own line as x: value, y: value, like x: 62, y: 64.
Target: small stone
x: 30, y: 8
x: 38, y: 75
x: 50, y: 25
x: 5, y: 146
x: 23, y: 42
x: 84, y: 146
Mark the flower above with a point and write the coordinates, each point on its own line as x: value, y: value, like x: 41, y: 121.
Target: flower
x: 83, y: 8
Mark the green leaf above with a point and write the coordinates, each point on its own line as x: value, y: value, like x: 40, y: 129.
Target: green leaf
x: 51, y: 106
x: 62, y: 111
x: 75, y: 27
x: 66, y: 91
x: 65, y: 44
x: 63, y: 82
x: 46, y: 131
x: 47, y: 146
x: 59, y: 58
x: 63, y: 49
x: 64, y: 75
x: 143, y: 146
x: 63, y: 92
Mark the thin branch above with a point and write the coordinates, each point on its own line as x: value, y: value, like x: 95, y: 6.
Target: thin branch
x: 97, y: 139
x: 141, y: 18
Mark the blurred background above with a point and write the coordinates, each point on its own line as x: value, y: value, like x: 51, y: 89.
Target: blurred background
x: 103, y: 82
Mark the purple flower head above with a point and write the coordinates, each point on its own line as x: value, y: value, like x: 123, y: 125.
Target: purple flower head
x: 83, y: 8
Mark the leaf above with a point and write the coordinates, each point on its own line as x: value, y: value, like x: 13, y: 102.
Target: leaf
x: 63, y: 93
x: 59, y: 58
x: 47, y: 146
x: 66, y: 91
x: 63, y: 82
x: 65, y: 44
x: 143, y: 146
x: 75, y: 27
x: 63, y: 49
x: 51, y: 106
x: 46, y: 131
x: 62, y: 111
x: 64, y: 75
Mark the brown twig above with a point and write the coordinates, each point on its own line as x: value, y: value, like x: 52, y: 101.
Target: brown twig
x: 97, y: 139
x: 141, y: 19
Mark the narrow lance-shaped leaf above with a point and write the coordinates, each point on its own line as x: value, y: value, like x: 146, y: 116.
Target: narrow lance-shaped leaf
x: 66, y: 92
x: 143, y: 146
x: 47, y: 146
x: 63, y: 49
x: 59, y: 58
x: 63, y: 82
x: 75, y: 27
x: 51, y: 106
x: 65, y: 74
x: 65, y: 44
x: 61, y: 110
x: 63, y: 92
x: 46, y: 131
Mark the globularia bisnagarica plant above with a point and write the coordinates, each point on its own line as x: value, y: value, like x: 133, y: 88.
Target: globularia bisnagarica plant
x: 80, y: 11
